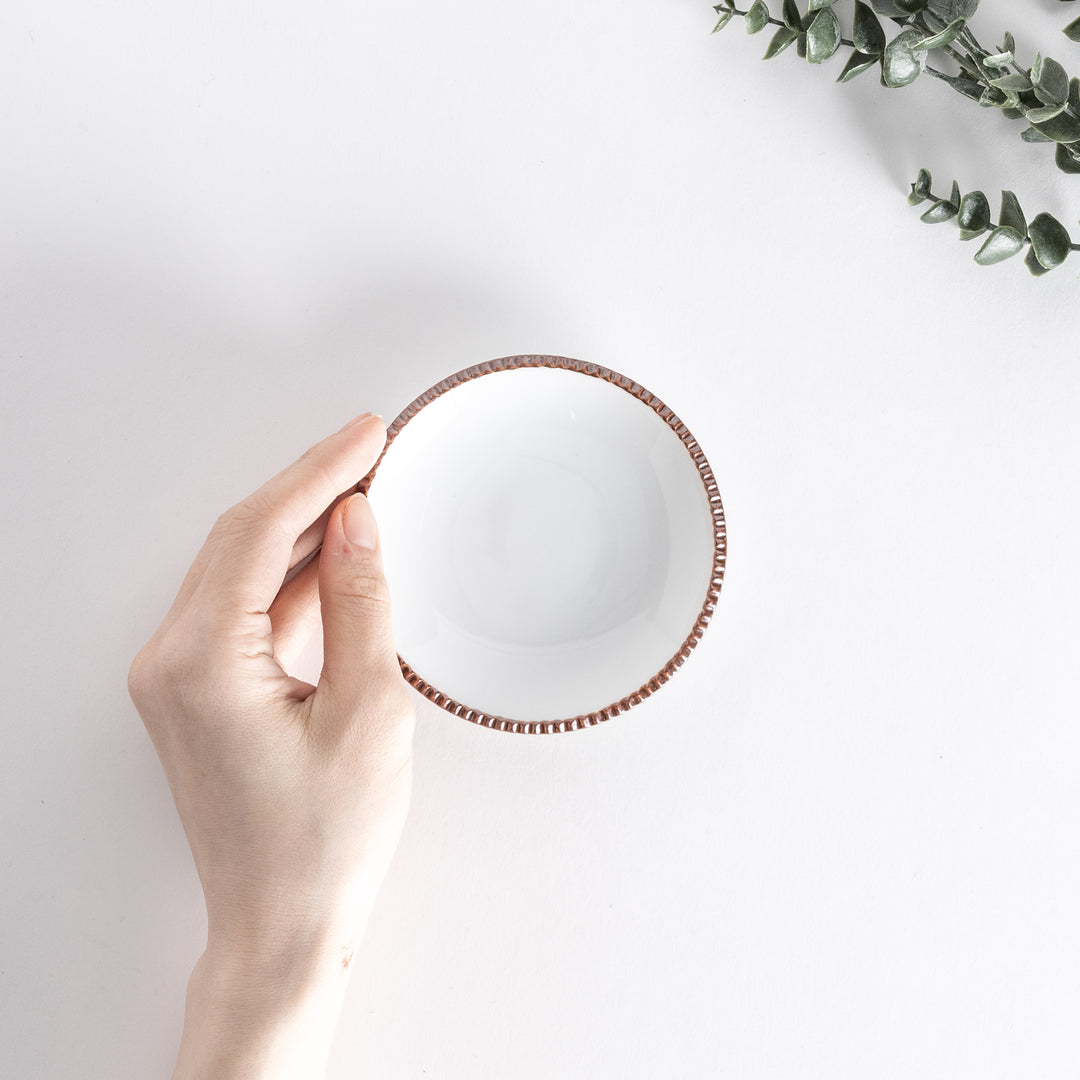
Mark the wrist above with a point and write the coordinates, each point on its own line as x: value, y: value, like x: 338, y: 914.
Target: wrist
x: 247, y: 1022
x: 264, y: 998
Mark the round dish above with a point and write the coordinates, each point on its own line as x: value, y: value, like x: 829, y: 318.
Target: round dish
x: 554, y: 542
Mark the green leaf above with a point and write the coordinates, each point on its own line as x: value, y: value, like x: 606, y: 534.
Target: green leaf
x: 1001, y: 59
x: 954, y: 197
x: 920, y: 190
x: 1031, y: 135
x: 1045, y: 113
x: 1049, y: 240
x: 1063, y: 128
x: 936, y: 41
x: 1072, y: 31
x: 1003, y: 243
x: 856, y: 64
x: 1011, y: 215
x: 822, y: 36
x: 1011, y: 83
x: 941, y: 211
x: 783, y: 37
x: 1064, y: 160
x: 725, y: 18
x: 757, y: 18
x: 900, y: 63
x: 1037, y: 269
x: 867, y: 34
x: 792, y: 16
x: 818, y: 5
x: 1008, y: 43
x: 968, y: 87
x: 947, y: 10
x: 974, y: 215
x: 1050, y: 80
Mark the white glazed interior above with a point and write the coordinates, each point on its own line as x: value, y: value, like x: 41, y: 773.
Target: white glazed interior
x: 547, y: 539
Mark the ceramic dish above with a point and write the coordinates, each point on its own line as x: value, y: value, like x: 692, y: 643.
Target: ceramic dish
x: 554, y: 542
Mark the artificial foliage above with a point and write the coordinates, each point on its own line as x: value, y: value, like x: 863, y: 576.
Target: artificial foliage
x: 900, y: 38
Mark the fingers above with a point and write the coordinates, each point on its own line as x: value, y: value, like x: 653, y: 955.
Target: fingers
x: 312, y: 537
x: 255, y: 541
x: 294, y: 614
x: 360, y: 672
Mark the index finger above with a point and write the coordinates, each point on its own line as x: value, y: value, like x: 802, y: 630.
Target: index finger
x: 252, y: 556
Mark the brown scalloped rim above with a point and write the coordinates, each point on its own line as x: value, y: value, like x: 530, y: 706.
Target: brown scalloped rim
x: 508, y: 363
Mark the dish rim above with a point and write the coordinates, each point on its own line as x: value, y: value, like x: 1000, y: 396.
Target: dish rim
x: 716, y: 506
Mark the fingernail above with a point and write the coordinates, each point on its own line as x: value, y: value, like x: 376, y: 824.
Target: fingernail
x: 359, y: 522
x: 360, y: 419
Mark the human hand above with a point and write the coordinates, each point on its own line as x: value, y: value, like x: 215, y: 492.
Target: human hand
x: 292, y: 796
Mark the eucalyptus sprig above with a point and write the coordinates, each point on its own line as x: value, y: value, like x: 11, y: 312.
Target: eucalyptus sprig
x: 1042, y: 94
x: 1047, y: 240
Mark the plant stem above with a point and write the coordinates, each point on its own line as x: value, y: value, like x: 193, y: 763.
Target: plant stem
x: 933, y: 199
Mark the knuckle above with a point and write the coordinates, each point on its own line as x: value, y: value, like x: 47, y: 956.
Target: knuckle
x: 140, y: 677
x: 369, y: 591
x: 168, y: 667
x: 255, y: 516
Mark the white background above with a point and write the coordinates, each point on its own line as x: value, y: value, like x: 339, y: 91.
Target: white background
x: 843, y: 840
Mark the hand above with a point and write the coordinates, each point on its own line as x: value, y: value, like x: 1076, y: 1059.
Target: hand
x: 292, y: 796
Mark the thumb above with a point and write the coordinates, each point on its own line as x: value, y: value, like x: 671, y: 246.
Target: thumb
x: 358, y: 642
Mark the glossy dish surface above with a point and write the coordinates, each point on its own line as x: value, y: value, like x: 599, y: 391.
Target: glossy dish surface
x: 553, y: 540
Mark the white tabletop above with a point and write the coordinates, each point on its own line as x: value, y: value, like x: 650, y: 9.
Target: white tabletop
x: 842, y: 840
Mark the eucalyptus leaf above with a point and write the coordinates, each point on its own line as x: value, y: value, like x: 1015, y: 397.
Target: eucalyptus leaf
x: 1064, y: 127
x: 1018, y: 83
x: 757, y: 18
x: 867, y: 34
x: 1045, y: 113
x: 974, y: 215
x: 968, y: 87
x: 1072, y: 31
x: 1050, y: 240
x: 949, y: 34
x: 792, y: 15
x: 993, y: 98
x: 941, y: 211
x: 1032, y: 263
x: 954, y: 197
x: 1051, y: 81
x: 1031, y: 134
x: 920, y: 190
x: 1008, y: 43
x: 889, y: 9
x: 783, y: 37
x: 1011, y: 215
x: 900, y: 63
x: 856, y: 64
x: 822, y: 36
x: 1064, y: 160
x: 948, y: 10
x: 818, y: 5
x: 1001, y: 59
x: 1003, y: 243
x: 725, y: 18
